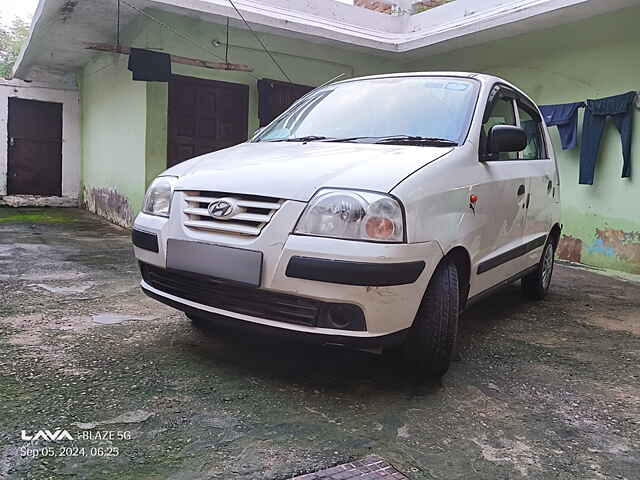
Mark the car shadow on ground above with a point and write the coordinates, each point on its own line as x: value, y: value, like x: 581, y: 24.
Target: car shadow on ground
x: 333, y: 367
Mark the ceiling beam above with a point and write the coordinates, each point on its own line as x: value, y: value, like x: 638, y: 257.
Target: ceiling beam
x: 108, y: 48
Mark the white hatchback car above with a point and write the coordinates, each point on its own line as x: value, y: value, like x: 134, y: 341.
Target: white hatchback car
x: 369, y: 214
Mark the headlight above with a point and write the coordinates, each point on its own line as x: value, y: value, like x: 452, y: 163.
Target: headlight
x: 157, y: 201
x: 353, y: 215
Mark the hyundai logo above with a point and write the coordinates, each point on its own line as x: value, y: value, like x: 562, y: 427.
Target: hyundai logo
x: 221, y: 208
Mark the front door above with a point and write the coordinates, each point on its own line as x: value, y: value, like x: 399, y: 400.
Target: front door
x: 205, y: 116
x: 502, y: 189
x: 34, y: 148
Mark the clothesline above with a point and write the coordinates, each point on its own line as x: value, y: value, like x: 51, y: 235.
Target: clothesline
x: 618, y: 108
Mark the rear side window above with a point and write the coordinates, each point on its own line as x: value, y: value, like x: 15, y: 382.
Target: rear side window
x: 502, y: 113
x: 535, y: 144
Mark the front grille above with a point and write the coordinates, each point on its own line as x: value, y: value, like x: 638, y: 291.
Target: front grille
x: 233, y: 297
x: 252, y: 301
x: 251, y: 213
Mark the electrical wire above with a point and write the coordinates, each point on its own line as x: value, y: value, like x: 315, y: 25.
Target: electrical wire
x: 118, y: 26
x: 226, y: 48
x: 261, y: 42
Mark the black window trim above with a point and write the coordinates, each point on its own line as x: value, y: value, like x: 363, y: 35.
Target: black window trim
x: 519, y: 100
x: 499, y: 91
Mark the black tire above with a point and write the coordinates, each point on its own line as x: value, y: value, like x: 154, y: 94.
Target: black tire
x: 535, y: 286
x: 195, y: 320
x: 432, y: 337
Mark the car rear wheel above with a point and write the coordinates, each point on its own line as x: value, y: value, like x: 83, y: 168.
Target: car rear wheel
x: 535, y: 286
x: 432, y: 337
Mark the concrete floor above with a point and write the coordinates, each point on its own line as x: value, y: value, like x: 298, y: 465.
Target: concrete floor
x: 545, y: 390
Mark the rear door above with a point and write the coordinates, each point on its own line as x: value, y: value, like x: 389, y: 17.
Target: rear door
x: 541, y: 175
x: 34, y: 148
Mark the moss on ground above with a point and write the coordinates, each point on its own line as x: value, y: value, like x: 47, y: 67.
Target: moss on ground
x: 33, y: 215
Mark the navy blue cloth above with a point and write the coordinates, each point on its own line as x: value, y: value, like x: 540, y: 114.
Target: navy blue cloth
x: 620, y: 109
x: 565, y: 117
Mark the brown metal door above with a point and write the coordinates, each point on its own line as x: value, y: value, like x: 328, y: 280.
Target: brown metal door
x: 34, y: 148
x: 276, y: 97
x: 205, y: 116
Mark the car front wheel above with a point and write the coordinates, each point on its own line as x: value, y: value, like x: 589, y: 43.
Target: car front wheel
x: 432, y: 337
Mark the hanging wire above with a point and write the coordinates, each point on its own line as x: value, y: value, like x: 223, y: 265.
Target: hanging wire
x: 181, y: 35
x: 261, y: 42
x: 226, y: 50
x: 118, y: 26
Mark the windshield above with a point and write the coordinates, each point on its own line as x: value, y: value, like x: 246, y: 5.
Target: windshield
x: 416, y: 108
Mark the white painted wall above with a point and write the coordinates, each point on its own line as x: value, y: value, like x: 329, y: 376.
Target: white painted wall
x: 71, y: 142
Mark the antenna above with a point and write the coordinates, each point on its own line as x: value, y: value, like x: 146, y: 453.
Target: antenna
x: 332, y: 80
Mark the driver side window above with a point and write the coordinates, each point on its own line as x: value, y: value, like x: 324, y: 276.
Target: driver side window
x: 502, y: 113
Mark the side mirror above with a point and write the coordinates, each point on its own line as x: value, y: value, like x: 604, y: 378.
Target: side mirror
x: 506, y: 138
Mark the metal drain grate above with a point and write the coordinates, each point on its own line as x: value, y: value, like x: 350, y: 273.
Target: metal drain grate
x: 369, y: 468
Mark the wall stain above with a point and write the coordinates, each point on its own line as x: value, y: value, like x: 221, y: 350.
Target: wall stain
x: 624, y: 245
x: 109, y: 204
x: 67, y: 9
x: 570, y: 249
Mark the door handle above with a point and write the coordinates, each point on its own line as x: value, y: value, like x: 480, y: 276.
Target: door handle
x: 521, y: 190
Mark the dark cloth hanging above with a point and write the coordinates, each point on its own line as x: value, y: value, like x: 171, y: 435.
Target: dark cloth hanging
x: 620, y: 109
x: 149, y: 66
x: 565, y: 117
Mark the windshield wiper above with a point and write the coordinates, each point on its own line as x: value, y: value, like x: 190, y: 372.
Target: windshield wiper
x: 389, y: 140
x: 401, y: 139
x: 309, y: 138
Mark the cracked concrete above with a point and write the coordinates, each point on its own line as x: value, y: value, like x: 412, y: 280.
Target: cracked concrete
x: 537, y: 391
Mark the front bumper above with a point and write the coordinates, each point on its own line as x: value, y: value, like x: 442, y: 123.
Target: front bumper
x: 261, y: 328
x: 398, y: 273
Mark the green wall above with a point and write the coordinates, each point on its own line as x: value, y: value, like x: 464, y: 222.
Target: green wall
x: 588, y: 59
x: 114, y: 113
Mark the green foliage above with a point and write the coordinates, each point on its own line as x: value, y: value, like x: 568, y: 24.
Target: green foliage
x: 12, y: 37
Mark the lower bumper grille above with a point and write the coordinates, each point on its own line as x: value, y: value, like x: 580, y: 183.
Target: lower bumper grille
x: 252, y: 301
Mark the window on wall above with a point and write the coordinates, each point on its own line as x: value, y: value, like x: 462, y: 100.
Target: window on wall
x: 502, y: 113
x: 535, y: 140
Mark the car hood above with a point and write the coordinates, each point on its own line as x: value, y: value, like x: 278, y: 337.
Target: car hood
x: 295, y: 171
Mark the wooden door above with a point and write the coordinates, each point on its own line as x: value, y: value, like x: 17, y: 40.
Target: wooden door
x: 205, y: 116
x: 34, y: 164
x: 276, y: 97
